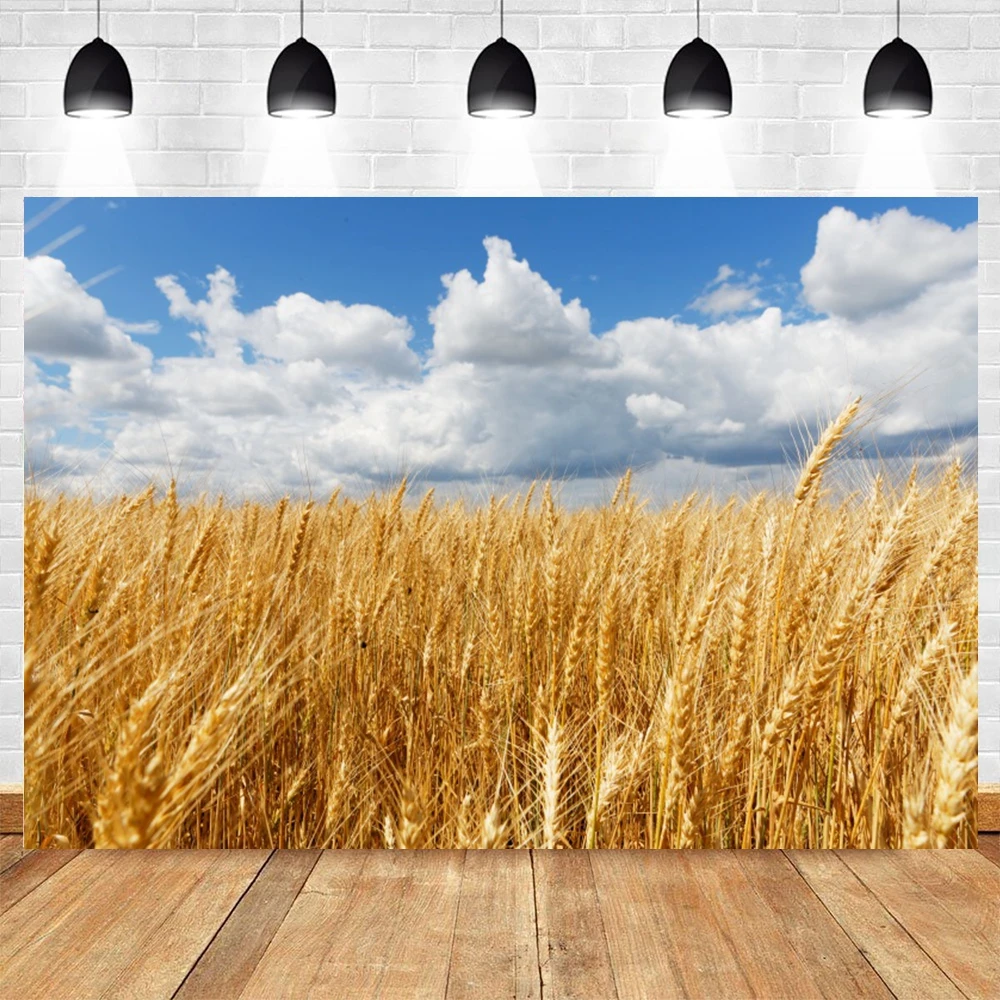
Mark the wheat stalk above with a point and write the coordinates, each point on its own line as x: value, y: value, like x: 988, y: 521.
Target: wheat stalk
x: 785, y: 670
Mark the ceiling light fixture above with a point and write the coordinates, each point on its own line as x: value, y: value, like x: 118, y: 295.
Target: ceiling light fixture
x: 301, y: 82
x: 898, y: 84
x: 501, y: 84
x: 98, y: 84
x: 697, y: 83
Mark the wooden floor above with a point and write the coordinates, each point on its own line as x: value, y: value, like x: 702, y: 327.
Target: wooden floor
x: 480, y: 925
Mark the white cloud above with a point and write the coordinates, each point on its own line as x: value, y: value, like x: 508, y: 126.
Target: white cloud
x: 650, y: 409
x: 297, y: 328
x: 514, y: 383
x: 63, y: 322
x: 513, y: 316
x: 862, y: 267
x: 723, y: 297
x: 143, y: 329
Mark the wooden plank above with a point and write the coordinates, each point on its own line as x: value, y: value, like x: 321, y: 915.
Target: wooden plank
x: 746, y: 930
x: 126, y: 926
x: 829, y: 956
x: 699, y: 924
x: 180, y: 932
x: 396, y: 944
x: 901, y: 963
x: 641, y: 945
x: 290, y: 961
x: 11, y: 850
x: 29, y: 873
x: 366, y: 924
x: 989, y: 847
x: 43, y: 895
x: 229, y: 961
x: 956, y: 920
x: 572, y: 945
x: 11, y: 809
x: 765, y: 917
x: 494, y: 955
x: 638, y: 924
x: 966, y: 883
x: 988, y: 815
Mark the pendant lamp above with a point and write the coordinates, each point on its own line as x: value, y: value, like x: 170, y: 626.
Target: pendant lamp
x: 697, y: 83
x: 898, y: 84
x: 501, y: 84
x: 98, y: 84
x: 301, y: 82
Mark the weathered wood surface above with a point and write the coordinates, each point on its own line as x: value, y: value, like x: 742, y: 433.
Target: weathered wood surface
x: 539, y: 925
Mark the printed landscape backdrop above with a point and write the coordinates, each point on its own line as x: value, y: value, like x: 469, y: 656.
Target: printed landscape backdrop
x: 500, y: 523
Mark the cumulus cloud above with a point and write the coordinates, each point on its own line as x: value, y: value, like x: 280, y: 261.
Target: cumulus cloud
x: 297, y: 328
x: 514, y: 383
x: 82, y: 364
x: 862, y: 267
x: 729, y: 292
x: 650, y: 409
x: 62, y: 321
x: 513, y: 316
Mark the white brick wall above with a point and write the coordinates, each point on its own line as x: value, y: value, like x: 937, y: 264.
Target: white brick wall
x: 199, y: 69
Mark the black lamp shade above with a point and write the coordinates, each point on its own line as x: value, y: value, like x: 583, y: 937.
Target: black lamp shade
x: 697, y: 83
x: 98, y: 84
x: 898, y: 84
x: 301, y: 83
x: 501, y: 84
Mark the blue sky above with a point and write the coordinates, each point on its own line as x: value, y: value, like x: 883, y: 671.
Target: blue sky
x: 290, y: 344
x: 625, y: 258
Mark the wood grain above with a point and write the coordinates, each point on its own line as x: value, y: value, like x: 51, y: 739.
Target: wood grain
x: 902, y: 964
x: 989, y: 846
x: 228, y: 962
x: 784, y: 941
x: 11, y: 850
x: 122, y: 923
x: 181, y: 922
x: 366, y: 924
x: 494, y: 954
x: 830, y: 957
x: 11, y: 809
x: 29, y: 873
x: 572, y: 944
x: 677, y: 926
x: 34, y: 918
x: 967, y: 885
x: 955, y: 920
x: 484, y: 925
x: 642, y: 942
x: 988, y: 815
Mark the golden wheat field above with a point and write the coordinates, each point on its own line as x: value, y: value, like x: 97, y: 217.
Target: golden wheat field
x: 771, y: 671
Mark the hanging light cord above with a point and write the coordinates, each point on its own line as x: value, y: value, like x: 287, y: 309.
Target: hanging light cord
x: 698, y: 16
x: 501, y: 18
x: 302, y: 18
x: 98, y: 18
x: 897, y: 18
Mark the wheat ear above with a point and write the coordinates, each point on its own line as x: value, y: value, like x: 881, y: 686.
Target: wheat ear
x: 958, y: 762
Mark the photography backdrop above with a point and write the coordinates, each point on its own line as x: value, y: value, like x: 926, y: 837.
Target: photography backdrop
x: 594, y: 662
x: 199, y: 69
